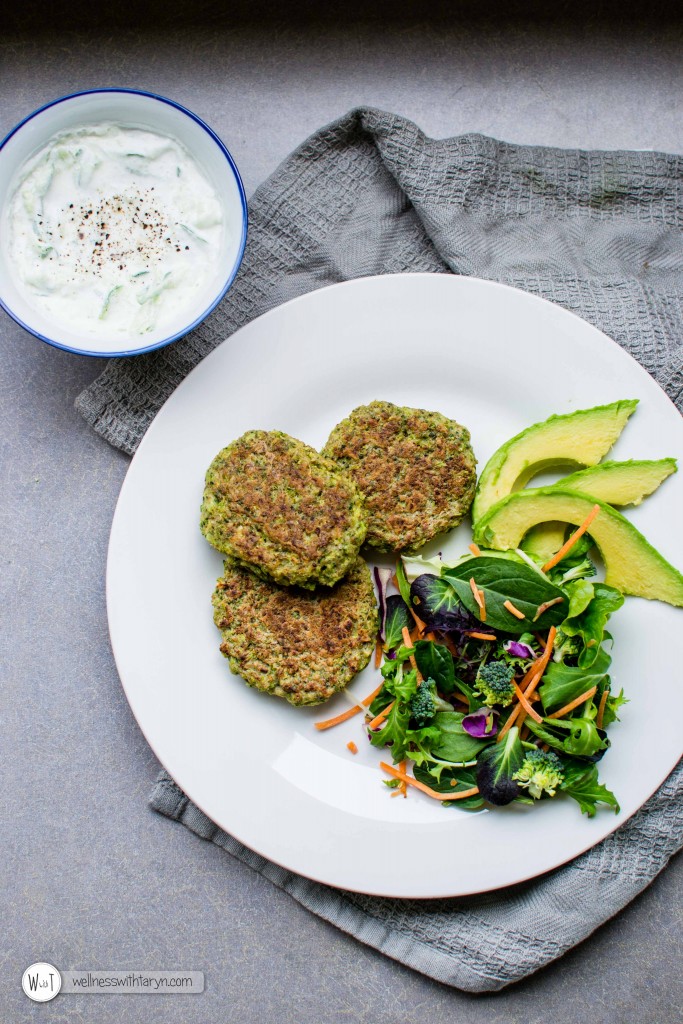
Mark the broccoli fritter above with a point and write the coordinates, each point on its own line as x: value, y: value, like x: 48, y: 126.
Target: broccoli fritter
x: 284, y: 511
x: 298, y: 644
x: 415, y: 470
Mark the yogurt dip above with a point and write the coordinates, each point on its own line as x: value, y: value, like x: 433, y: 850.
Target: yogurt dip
x: 113, y: 230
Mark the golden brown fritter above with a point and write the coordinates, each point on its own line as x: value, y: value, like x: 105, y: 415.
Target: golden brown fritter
x: 300, y: 645
x: 279, y: 507
x: 415, y: 470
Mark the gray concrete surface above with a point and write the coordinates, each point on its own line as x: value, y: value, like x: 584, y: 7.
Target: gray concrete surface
x: 91, y: 877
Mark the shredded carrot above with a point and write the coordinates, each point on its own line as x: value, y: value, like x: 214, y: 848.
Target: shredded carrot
x: 482, y: 614
x: 378, y: 719
x: 352, y: 747
x: 475, y: 549
x: 431, y: 636
x: 544, y: 607
x: 509, y: 723
x: 524, y: 733
x: 568, y: 545
x: 409, y: 643
x: 378, y: 653
x: 345, y: 715
x: 450, y: 645
x: 403, y: 766
x: 601, y: 709
x: 418, y: 621
x: 531, y: 680
x: 394, y: 580
x: 574, y: 703
x: 476, y: 592
x: 410, y: 781
x: 480, y: 636
x: 513, y: 611
x: 526, y: 705
x: 461, y: 697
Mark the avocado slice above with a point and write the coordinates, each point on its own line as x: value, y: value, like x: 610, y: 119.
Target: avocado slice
x: 619, y: 483
x: 631, y: 563
x: 578, y: 438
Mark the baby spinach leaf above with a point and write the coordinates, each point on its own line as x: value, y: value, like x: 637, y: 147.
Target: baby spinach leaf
x: 442, y: 781
x: 398, y: 618
x: 563, y: 683
x: 496, y: 766
x: 436, y: 662
x: 454, y: 744
x: 581, y: 784
x: 580, y: 596
x: 504, y: 580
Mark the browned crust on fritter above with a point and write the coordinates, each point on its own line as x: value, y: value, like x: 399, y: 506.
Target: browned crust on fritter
x: 414, y: 468
x: 281, y: 508
x: 300, y: 645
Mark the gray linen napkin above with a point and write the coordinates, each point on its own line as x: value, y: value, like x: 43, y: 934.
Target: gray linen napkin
x: 597, y: 232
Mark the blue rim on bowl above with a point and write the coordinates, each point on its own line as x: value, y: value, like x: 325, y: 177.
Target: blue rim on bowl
x: 240, y: 253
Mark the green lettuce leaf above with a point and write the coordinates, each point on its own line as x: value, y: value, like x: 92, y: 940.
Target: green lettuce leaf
x: 502, y: 580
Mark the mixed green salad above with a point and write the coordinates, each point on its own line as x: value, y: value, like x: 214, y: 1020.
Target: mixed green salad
x: 495, y: 668
x: 495, y: 679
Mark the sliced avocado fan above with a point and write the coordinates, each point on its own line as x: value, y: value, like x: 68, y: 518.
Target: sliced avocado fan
x: 618, y: 483
x: 631, y: 563
x: 579, y: 438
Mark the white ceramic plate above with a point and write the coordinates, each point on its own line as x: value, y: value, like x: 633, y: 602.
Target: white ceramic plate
x: 497, y: 360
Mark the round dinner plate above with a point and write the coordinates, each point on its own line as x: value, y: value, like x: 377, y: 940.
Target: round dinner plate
x: 494, y: 358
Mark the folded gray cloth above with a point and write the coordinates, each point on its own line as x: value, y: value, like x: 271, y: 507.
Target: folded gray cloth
x: 597, y: 232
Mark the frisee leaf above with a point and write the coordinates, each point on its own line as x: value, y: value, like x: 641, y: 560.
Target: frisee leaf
x: 581, y: 784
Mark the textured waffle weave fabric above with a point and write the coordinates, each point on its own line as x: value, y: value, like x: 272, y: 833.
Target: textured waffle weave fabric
x: 596, y: 232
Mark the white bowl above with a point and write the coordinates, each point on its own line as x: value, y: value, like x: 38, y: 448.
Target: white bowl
x: 131, y: 108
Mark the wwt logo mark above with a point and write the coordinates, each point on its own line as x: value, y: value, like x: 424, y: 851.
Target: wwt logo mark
x: 41, y: 982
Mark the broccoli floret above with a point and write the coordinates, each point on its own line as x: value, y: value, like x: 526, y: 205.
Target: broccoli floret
x: 423, y: 704
x: 541, y: 772
x: 581, y: 571
x: 566, y: 646
x: 494, y: 683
